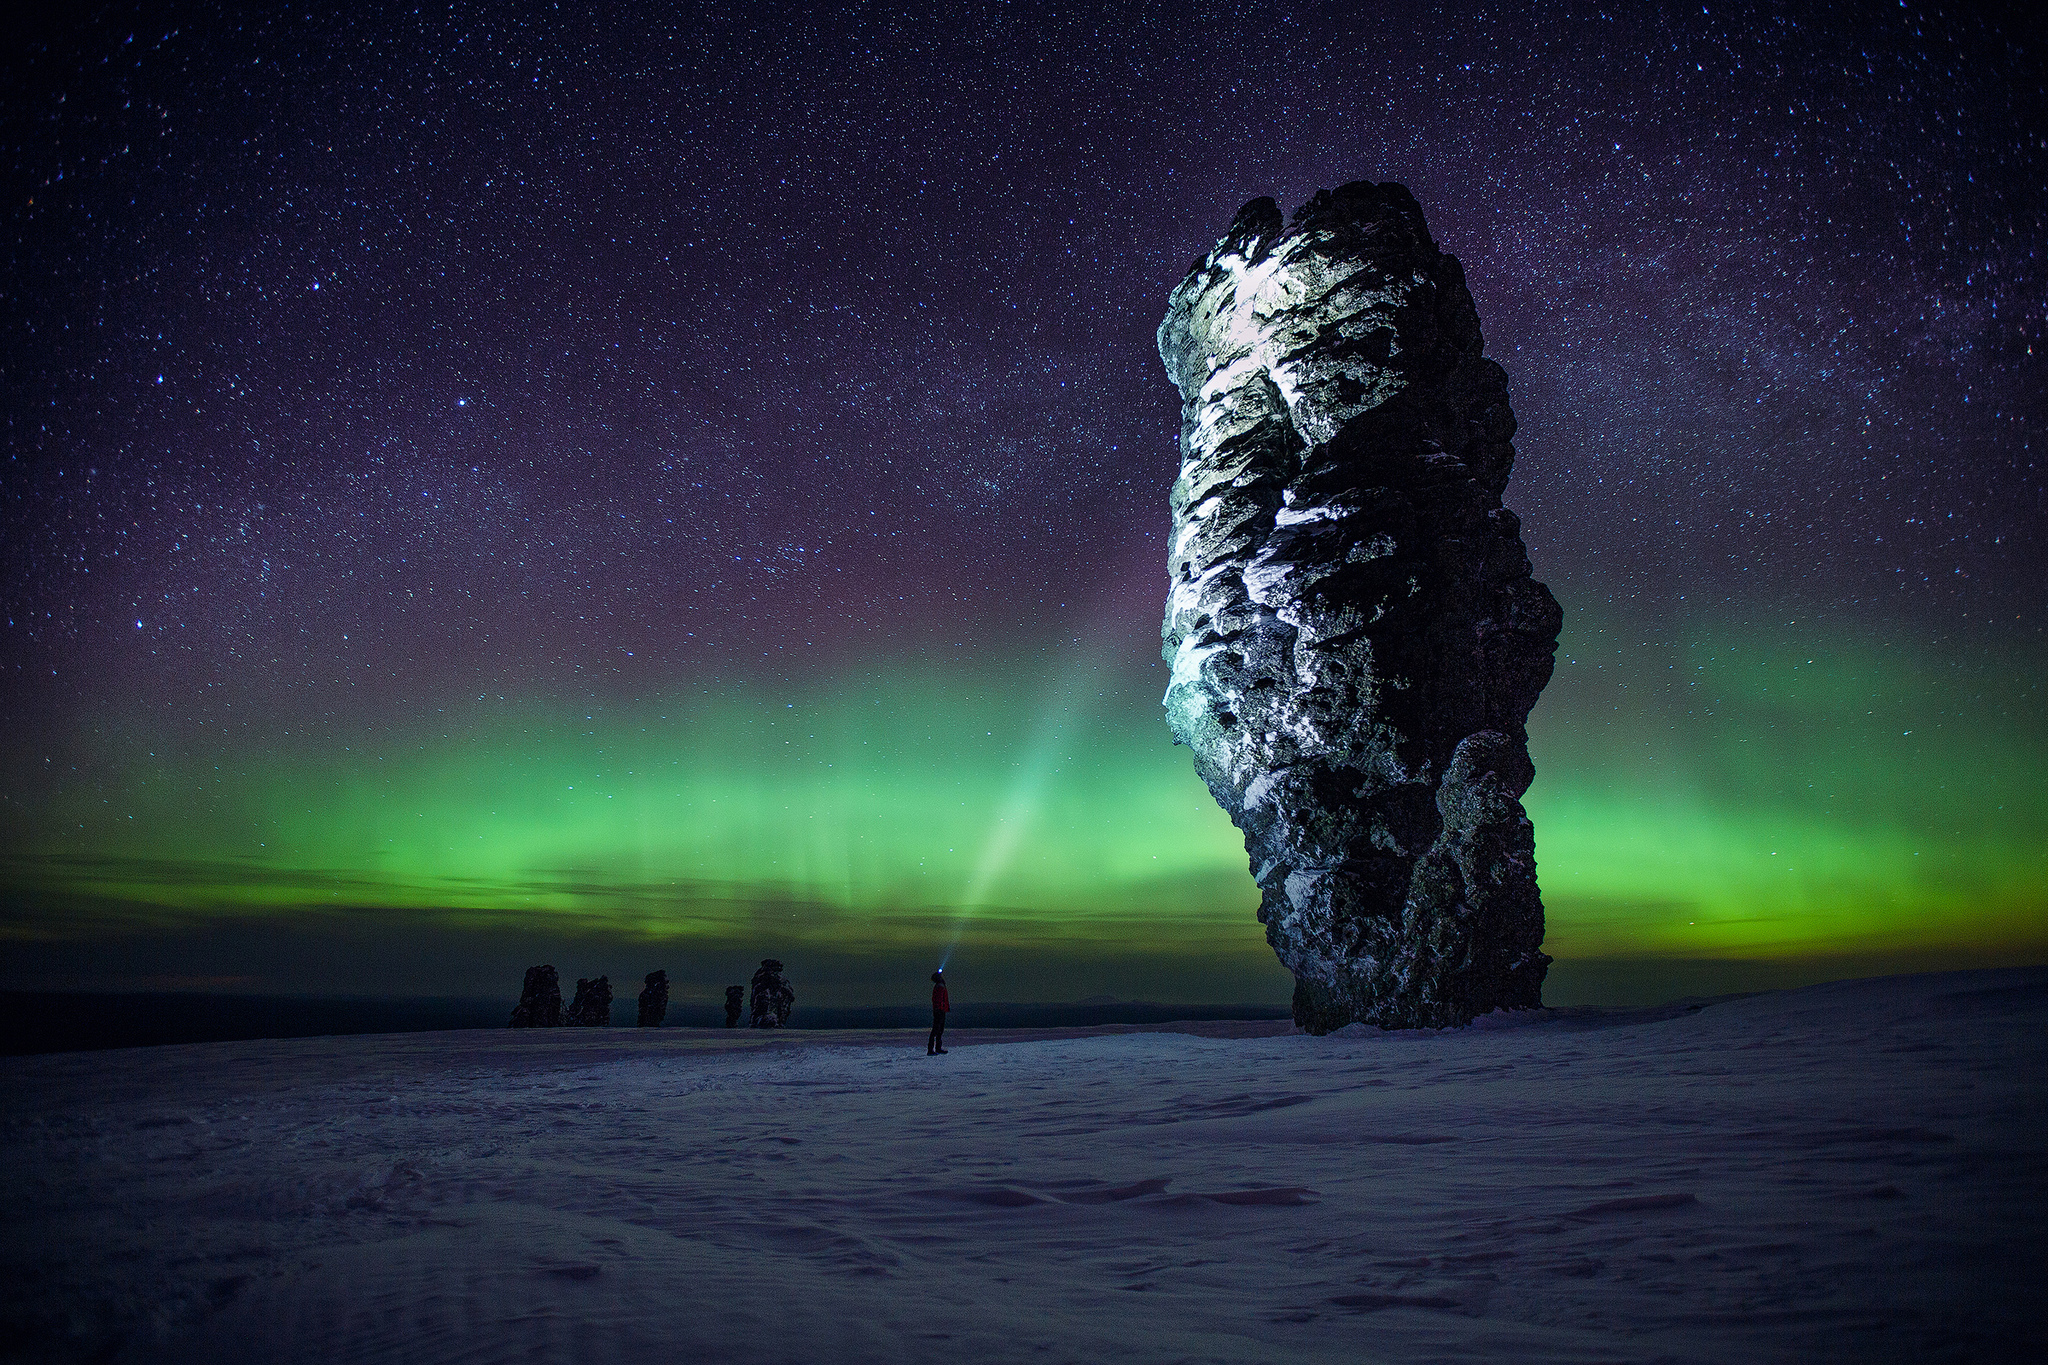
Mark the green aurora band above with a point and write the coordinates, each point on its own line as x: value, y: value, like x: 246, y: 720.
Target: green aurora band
x: 1728, y: 799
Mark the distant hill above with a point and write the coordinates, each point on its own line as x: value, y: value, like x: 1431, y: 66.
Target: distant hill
x: 77, y: 1021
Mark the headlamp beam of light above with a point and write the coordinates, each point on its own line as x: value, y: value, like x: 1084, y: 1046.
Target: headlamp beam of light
x: 1026, y: 795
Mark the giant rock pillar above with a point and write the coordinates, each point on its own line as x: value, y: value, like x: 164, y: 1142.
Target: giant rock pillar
x: 1354, y: 634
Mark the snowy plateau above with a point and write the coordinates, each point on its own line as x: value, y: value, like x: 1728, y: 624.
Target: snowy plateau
x: 1848, y: 1172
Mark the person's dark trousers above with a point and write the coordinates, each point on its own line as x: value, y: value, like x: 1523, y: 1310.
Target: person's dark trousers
x: 937, y: 1041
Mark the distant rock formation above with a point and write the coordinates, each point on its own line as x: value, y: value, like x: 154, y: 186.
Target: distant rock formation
x: 540, y: 1000
x: 592, y: 1007
x: 1355, y: 637
x: 736, y: 1004
x: 773, y: 998
x: 654, y: 1000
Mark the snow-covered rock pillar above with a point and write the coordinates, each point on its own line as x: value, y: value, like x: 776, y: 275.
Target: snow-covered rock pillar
x: 1355, y: 637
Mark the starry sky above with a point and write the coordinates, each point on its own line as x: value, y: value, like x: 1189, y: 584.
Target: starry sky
x: 489, y: 484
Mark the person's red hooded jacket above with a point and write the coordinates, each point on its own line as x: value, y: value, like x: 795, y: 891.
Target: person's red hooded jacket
x: 941, y: 1002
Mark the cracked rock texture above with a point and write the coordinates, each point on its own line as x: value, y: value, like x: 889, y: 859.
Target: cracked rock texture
x: 1355, y: 638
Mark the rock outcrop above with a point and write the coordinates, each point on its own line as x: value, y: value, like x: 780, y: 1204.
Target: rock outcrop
x: 736, y: 1004
x: 773, y: 999
x: 654, y: 1000
x: 592, y: 1007
x: 1355, y: 637
x: 540, y: 1000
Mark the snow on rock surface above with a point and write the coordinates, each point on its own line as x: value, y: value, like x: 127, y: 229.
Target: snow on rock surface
x: 1354, y: 635
x: 1850, y: 1172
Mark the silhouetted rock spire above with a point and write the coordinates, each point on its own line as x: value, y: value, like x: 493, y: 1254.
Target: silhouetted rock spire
x: 773, y: 999
x: 654, y: 1000
x: 592, y: 1007
x: 540, y: 1000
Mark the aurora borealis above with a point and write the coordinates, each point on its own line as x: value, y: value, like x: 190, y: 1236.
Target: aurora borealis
x: 1034, y: 816
x: 486, y: 489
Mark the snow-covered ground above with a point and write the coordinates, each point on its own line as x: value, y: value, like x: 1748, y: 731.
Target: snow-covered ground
x: 1850, y: 1172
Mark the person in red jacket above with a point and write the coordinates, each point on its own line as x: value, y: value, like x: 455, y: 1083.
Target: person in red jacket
x: 941, y: 1006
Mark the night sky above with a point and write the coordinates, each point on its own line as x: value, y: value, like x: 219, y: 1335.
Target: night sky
x: 491, y: 484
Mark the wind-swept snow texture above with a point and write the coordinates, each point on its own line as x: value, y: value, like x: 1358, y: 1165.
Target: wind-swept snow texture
x: 1850, y: 1173
x: 1354, y: 634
